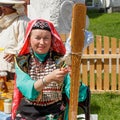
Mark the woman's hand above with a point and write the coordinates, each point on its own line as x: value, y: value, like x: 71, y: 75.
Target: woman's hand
x: 57, y: 75
x: 9, y: 57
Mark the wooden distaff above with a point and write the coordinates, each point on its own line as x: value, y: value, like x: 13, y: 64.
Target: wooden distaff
x: 77, y: 43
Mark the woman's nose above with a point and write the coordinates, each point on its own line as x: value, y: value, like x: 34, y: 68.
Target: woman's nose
x: 41, y: 41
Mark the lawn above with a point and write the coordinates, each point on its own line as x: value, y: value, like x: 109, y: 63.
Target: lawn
x: 106, y: 105
x: 104, y: 24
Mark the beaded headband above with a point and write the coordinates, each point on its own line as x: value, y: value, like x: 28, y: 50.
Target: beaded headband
x: 41, y: 25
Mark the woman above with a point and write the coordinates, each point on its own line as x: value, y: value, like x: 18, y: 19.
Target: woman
x: 13, y: 22
x: 39, y: 78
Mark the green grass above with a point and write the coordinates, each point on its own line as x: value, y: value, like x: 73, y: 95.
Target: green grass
x: 106, y: 105
x: 104, y: 24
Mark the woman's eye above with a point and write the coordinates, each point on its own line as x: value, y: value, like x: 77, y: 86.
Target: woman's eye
x: 37, y: 38
x: 46, y: 38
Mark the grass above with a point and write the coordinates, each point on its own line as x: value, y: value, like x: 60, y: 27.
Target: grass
x: 106, y: 105
x: 104, y: 24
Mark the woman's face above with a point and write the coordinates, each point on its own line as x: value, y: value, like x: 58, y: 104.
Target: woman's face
x: 40, y: 40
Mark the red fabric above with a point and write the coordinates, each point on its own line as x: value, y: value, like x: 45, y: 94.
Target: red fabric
x: 57, y: 46
x: 16, y: 100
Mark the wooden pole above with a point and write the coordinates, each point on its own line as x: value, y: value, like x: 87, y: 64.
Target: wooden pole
x: 77, y: 43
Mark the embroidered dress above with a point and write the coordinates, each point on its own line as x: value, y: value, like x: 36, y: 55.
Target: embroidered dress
x: 49, y: 99
x: 58, y: 47
x: 52, y: 92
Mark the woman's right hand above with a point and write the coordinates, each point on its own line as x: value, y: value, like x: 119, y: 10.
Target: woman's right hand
x: 57, y: 75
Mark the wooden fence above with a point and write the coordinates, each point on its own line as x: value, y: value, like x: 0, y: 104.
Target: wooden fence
x: 100, y: 65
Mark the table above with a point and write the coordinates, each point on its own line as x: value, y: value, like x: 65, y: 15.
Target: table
x: 4, y: 116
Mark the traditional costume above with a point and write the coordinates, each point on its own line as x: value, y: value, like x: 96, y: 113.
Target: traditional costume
x: 29, y: 104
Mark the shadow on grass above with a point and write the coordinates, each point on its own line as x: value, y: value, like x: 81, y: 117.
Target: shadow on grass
x: 94, y: 13
x: 94, y: 108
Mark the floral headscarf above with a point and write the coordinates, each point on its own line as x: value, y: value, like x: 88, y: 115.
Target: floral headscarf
x: 57, y: 44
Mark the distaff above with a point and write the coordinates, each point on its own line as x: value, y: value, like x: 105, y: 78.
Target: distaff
x: 77, y: 44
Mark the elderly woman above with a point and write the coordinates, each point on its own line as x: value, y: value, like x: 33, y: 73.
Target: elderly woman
x: 38, y: 76
x: 13, y: 22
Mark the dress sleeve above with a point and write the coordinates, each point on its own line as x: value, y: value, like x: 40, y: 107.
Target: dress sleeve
x: 66, y: 87
x: 25, y: 84
x: 82, y: 89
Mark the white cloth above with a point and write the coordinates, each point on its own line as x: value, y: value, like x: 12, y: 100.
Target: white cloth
x: 89, y: 38
x: 11, y: 37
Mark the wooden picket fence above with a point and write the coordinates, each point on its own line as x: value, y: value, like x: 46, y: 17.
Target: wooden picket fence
x: 100, y: 64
